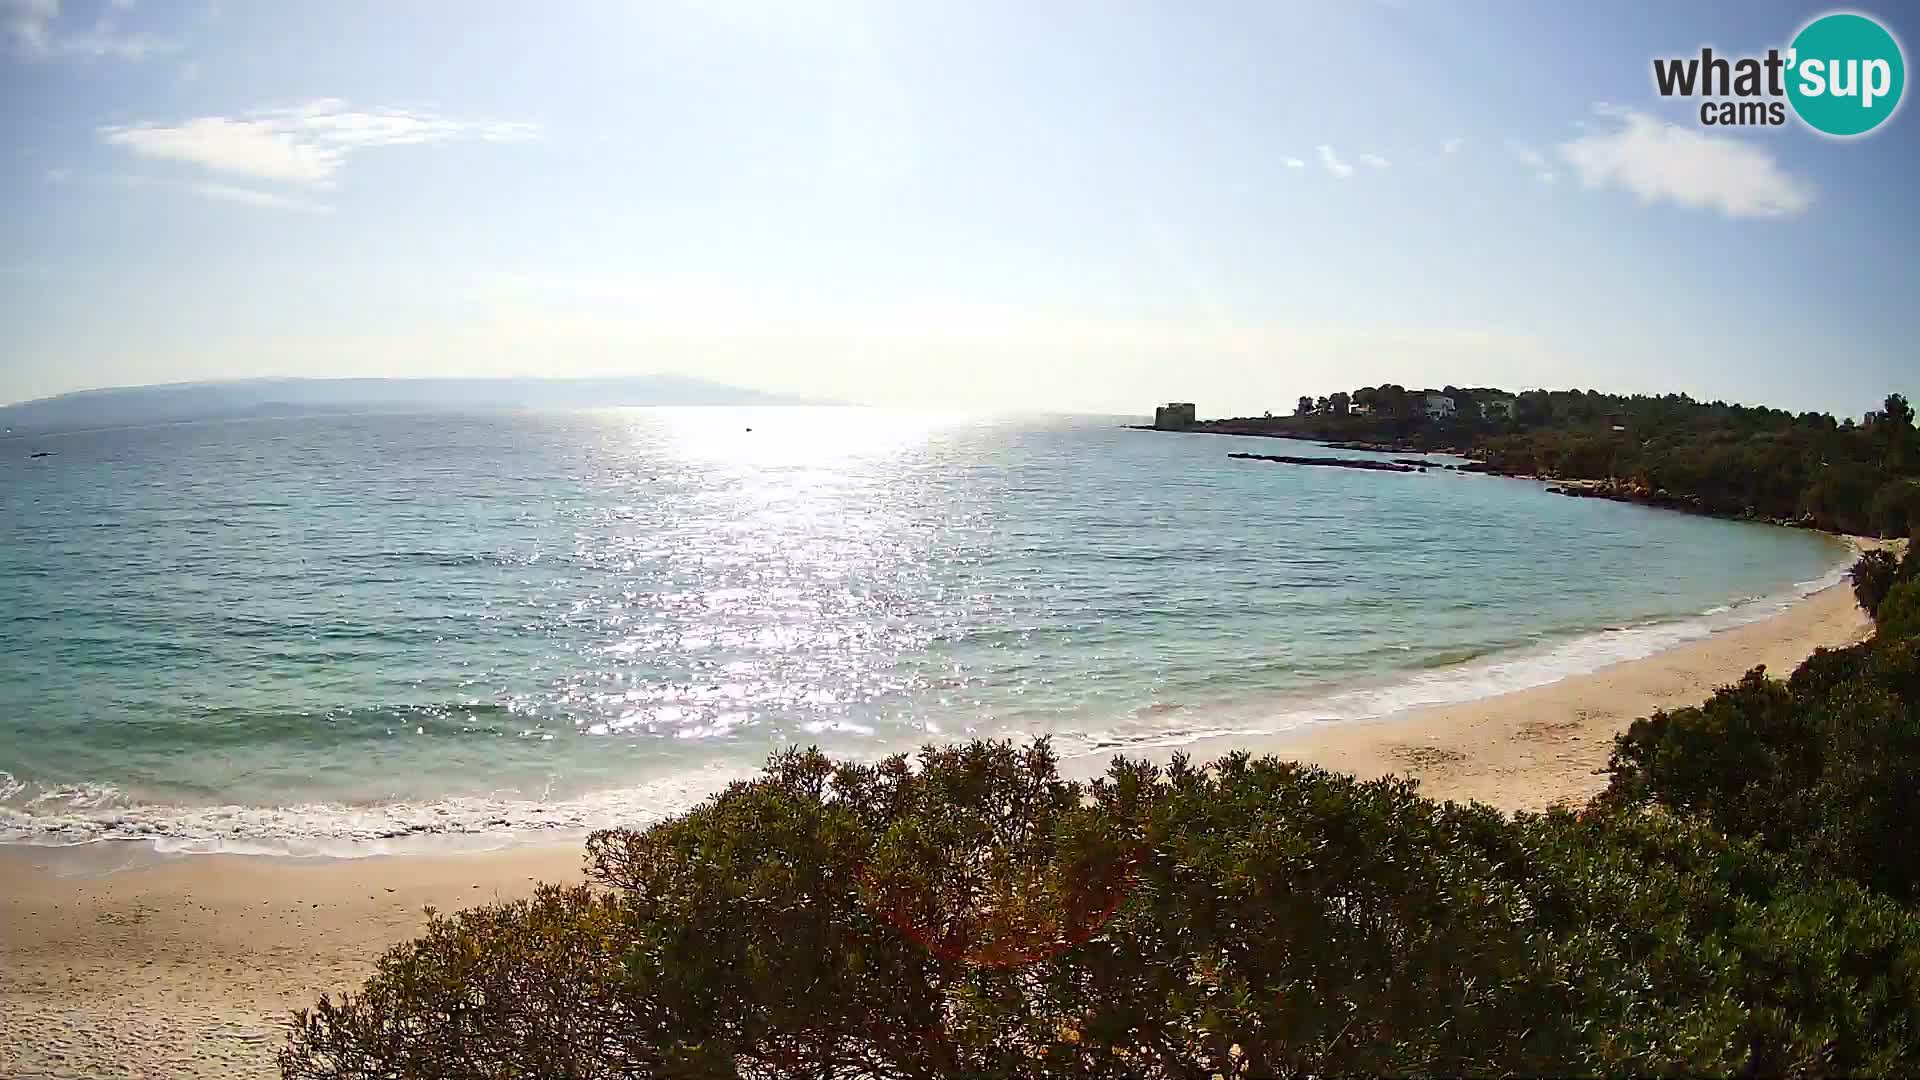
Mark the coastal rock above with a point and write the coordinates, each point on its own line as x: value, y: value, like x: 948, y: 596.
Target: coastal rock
x: 1338, y: 463
x: 1373, y: 447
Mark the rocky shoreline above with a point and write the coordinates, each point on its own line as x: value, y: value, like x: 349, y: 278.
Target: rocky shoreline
x: 1246, y: 429
x: 1624, y: 491
x: 1613, y: 490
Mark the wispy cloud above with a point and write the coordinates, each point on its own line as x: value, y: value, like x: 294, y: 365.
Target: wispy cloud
x: 31, y: 27
x: 1660, y: 161
x: 99, y: 42
x: 1452, y: 146
x: 266, y: 200
x: 1332, y: 163
x: 307, y: 144
x: 1534, y: 160
x: 217, y: 192
x: 1295, y: 163
x: 1374, y: 161
x: 58, y: 176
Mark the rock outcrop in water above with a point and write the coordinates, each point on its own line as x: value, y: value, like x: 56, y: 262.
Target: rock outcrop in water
x: 1338, y: 463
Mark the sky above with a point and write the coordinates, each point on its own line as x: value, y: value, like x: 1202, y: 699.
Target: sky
x: 1069, y: 206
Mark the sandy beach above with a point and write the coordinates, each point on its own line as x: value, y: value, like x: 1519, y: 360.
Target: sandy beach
x: 1548, y: 745
x: 114, y: 964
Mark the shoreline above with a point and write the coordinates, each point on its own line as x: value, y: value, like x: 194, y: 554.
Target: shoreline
x: 1547, y: 745
x: 1609, y: 490
x: 122, y: 963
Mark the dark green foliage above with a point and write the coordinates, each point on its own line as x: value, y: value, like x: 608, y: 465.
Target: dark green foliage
x: 1899, y: 614
x: 1715, y: 457
x: 1824, y: 767
x: 1690, y: 952
x: 1873, y: 576
x: 1896, y: 506
x: 971, y: 913
x: 539, y: 984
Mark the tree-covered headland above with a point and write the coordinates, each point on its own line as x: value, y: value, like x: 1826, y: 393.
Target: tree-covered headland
x: 1735, y: 460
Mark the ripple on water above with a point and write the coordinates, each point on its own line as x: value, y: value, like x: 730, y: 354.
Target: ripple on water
x: 343, y: 631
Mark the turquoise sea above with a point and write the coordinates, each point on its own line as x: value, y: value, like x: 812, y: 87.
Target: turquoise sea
x: 336, y: 635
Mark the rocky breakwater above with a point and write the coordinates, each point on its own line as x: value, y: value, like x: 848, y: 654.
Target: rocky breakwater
x: 1337, y: 463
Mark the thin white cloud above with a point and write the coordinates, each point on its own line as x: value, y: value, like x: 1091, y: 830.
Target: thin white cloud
x: 1374, y: 161
x: 251, y: 197
x: 218, y: 192
x: 1534, y: 160
x: 245, y: 147
x: 1331, y: 161
x: 1295, y: 163
x: 1659, y: 161
x: 1452, y: 146
x: 307, y: 144
x: 58, y: 176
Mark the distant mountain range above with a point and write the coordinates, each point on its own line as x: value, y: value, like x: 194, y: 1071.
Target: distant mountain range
x: 178, y: 402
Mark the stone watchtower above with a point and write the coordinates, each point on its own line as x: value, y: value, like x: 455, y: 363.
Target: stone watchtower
x: 1173, y: 416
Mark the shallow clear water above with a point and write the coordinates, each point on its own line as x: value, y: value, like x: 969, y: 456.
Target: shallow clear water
x: 293, y: 633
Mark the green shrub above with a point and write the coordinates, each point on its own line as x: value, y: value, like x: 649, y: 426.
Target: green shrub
x: 536, y: 985
x: 1824, y: 767
x: 1899, y: 613
x: 1691, y: 952
x: 971, y: 913
x: 1896, y: 507
x: 1873, y: 576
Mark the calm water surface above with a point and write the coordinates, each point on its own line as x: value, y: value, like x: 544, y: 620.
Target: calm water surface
x: 302, y: 634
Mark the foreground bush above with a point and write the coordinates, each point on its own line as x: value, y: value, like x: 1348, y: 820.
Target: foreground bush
x: 971, y: 913
x: 1824, y: 767
x: 1873, y: 576
x: 1899, y: 614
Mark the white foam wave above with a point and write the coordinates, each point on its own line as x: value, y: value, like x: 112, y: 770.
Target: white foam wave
x: 94, y: 813
x: 1509, y: 672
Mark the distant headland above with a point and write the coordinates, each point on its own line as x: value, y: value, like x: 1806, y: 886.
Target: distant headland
x: 253, y: 398
x: 1804, y: 469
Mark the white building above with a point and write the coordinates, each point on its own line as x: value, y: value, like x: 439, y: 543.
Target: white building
x: 1439, y: 406
x: 1497, y: 406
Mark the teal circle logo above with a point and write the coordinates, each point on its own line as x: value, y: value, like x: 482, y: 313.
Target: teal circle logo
x: 1845, y: 74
